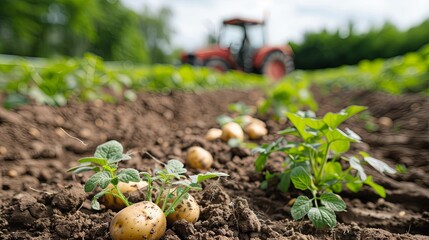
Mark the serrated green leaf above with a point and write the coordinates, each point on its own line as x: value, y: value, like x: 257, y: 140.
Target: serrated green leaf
x: 95, y: 204
x: 95, y: 160
x: 111, y: 150
x: 322, y: 217
x: 128, y: 175
x: 301, y: 207
x: 333, y: 120
x: 84, y: 169
x: 377, y: 188
x: 300, y: 178
x: 333, y: 201
x: 204, y: 176
x: 380, y: 166
x: 315, y: 123
x: 100, y: 178
x: 175, y: 166
x: 355, y: 164
x: 118, y: 158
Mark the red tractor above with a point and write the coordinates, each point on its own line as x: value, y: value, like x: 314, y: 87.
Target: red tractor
x: 241, y: 46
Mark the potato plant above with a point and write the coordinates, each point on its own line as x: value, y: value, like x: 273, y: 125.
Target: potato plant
x: 317, y: 163
x: 167, y: 192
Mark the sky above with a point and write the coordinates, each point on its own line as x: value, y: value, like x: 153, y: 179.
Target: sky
x: 287, y: 20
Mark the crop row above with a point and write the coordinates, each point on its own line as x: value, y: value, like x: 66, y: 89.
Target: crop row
x: 402, y: 74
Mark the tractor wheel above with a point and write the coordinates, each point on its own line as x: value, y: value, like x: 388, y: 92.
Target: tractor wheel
x: 277, y: 65
x: 217, y: 64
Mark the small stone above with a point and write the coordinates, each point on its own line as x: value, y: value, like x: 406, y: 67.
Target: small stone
x: 385, y: 122
x: 3, y: 150
x: 401, y: 213
x: 34, y: 132
x: 99, y: 122
x: 12, y: 173
x: 85, y: 133
x: 98, y: 103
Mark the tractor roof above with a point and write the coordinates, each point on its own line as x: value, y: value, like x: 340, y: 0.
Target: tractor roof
x: 242, y: 21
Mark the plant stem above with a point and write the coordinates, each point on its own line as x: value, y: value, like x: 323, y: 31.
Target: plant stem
x: 321, y: 172
x: 121, y: 196
x: 149, y: 190
x: 176, y: 201
x: 160, y: 192
x: 164, y: 204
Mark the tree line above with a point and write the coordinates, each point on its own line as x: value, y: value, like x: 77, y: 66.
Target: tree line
x: 326, y: 49
x: 46, y: 28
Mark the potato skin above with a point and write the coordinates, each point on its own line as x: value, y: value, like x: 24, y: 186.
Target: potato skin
x: 116, y: 204
x: 255, y: 130
x: 232, y: 130
x: 199, y: 158
x: 188, y: 210
x: 213, y: 134
x: 142, y: 220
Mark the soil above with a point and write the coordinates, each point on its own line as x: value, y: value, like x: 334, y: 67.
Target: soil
x: 39, y: 200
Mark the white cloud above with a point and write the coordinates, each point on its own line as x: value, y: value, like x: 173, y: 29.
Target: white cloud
x: 287, y: 19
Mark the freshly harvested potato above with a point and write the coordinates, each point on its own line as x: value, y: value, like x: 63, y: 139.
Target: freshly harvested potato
x: 199, y: 158
x: 385, y: 122
x: 142, y: 220
x: 213, y: 134
x: 232, y: 130
x: 255, y: 130
x: 116, y: 204
x: 188, y: 210
x: 257, y: 121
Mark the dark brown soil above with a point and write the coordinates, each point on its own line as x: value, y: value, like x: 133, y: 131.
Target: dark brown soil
x: 40, y: 201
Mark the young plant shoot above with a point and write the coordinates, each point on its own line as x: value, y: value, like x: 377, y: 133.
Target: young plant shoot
x: 314, y: 163
x: 169, y: 186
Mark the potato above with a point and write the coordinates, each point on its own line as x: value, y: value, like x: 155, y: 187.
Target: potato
x: 116, y: 204
x: 142, y: 220
x: 188, y: 210
x: 232, y: 130
x: 199, y: 158
x: 213, y: 134
x: 257, y: 121
x: 385, y: 122
x: 255, y: 130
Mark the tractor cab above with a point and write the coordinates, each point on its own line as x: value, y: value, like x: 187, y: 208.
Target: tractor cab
x: 243, y: 37
x: 241, y: 46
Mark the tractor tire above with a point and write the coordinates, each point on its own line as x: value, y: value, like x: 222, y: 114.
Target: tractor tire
x: 277, y: 65
x: 217, y: 64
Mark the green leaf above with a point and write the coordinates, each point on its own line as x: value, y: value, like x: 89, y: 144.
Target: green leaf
x: 322, y: 217
x: 223, y: 119
x: 301, y: 207
x: 175, y: 166
x: 333, y: 120
x: 300, y: 178
x: 204, y: 176
x: 128, y: 175
x: 353, y: 183
x: 333, y: 201
x: 100, y: 178
x: 73, y: 169
x: 95, y: 160
x: 355, y: 164
x: 284, y: 181
x: 380, y: 166
x: 94, y: 203
x: 234, y: 142
x: 260, y: 162
x: 111, y: 150
x: 299, y: 124
x: 377, y: 188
